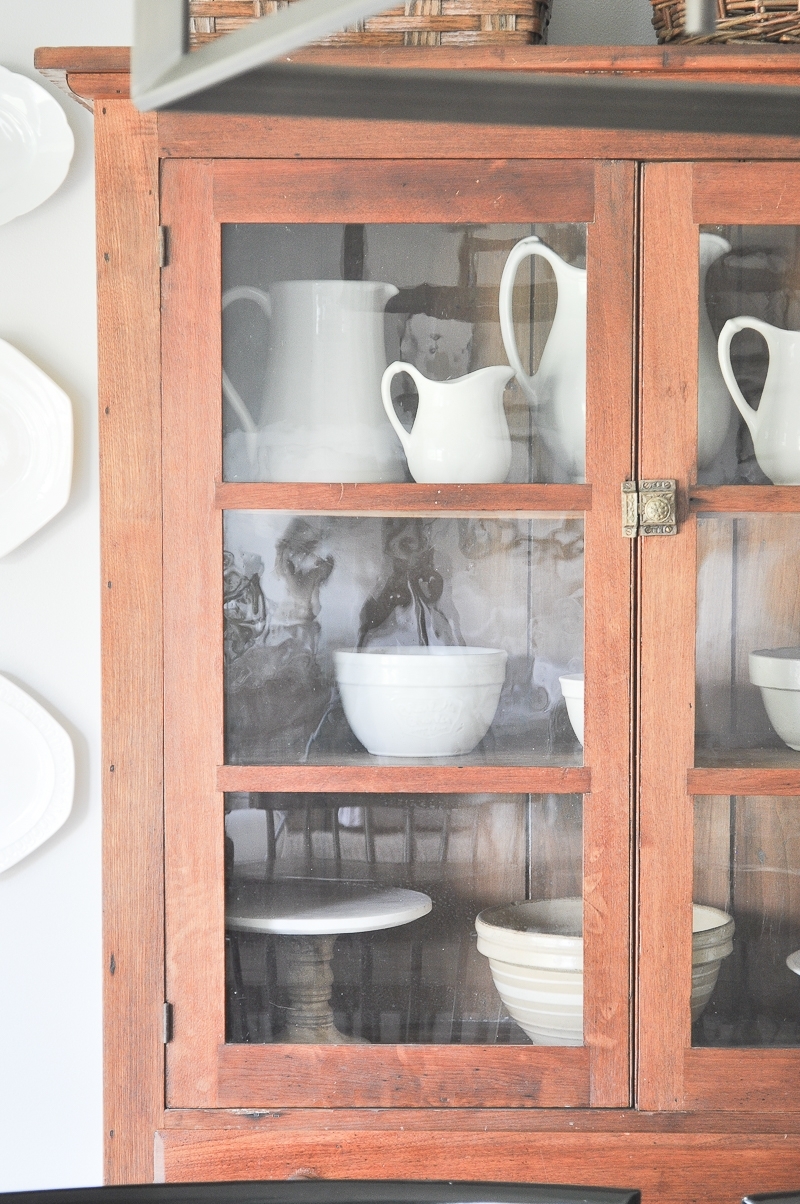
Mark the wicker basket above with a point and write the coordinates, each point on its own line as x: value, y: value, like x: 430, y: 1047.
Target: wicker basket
x: 737, y: 21
x: 415, y: 23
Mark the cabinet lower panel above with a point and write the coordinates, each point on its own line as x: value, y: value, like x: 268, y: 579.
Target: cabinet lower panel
x: 717, y: 1168
x: 252, y: 1076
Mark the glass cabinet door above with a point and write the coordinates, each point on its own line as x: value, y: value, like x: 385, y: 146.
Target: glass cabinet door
x: 397, y: 410
x: 720, y: 1001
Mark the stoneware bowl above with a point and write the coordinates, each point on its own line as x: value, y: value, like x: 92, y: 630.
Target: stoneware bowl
x: 420, y: 702
x: 572, y: 689
x: 535, y: 952
x: 712, y: 940
x: 776, y: 671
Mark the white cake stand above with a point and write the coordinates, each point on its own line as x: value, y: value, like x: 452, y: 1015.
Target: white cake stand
x: 308, y: 914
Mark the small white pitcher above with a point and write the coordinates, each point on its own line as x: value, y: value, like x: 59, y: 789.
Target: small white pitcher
x: 460, y: 434
x: 775, y: 425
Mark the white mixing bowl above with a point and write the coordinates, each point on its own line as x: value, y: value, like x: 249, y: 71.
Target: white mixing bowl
x: 776, y: 671
x: 572, y: 689
x: 420, y: 702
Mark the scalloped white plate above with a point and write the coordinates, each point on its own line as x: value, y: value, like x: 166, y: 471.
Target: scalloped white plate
x: 37, y: 774
x: 35, y: 448
x: 36, y: 145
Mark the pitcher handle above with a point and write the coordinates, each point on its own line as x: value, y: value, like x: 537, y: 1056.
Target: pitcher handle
x: 386, y: 393
x: 244, y: 292
x: 733, y: 326
x: 523, y: 249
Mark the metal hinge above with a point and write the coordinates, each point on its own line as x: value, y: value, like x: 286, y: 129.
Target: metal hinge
x: 648, y: 508
x: 163, y: 246
x: 167, y: 1023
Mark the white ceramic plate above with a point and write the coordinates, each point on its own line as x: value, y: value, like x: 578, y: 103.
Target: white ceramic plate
x: 35, y: 448
x: 36, y: 145
x: 37, y: 774
x: 793, y: 961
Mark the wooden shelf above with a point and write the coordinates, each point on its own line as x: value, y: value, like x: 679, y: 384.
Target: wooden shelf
x: 755, y: 771
x: 408, y: 777
x: 370, y: 498
x: 745, y: 499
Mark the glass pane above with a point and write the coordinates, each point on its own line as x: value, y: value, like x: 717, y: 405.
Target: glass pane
x: 749, y: 427
x: 312, y: 315
x: 748, y: 601
x: 747, y: 866
x: 462, y: 629
x: 354, y: 917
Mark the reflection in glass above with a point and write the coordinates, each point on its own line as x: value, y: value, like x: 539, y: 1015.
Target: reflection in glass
x: 748, y: 599
x: 747, y: 863
x: 312, y: 315
x: 748, y: 272
x: 299, y: 588
x: 422, y: 980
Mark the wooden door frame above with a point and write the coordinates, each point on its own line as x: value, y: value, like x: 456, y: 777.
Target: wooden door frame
x: 202, y: 1070
x: 672, y: 1075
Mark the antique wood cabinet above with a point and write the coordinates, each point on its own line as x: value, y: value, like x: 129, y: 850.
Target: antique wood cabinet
x: 231, y: 587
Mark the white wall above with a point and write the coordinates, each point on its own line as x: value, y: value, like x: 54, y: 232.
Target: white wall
x: 50, y: 911
x: 50, y: 975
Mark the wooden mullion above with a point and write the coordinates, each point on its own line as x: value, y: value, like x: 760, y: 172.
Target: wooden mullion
x: 745, y: 499
x: 392, y: 499
x: 758, y: 782
x: 423, y: 779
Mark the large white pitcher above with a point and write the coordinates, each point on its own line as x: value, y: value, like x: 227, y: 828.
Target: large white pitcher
x: 713, y: 399
x: 558, y: 390
x: 320, y: 416
x: 775, y: 425
x: 460, y: 434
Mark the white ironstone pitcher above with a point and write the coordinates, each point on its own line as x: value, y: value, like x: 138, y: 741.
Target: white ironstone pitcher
x: 713, y: 399
x: 321, y: 417
x: 557, y: 392
x: 775, y: 425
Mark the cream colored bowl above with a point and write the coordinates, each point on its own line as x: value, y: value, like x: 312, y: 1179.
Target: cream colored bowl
x: 712, y: 941
x: 776, y: 671
x: 420, y: 702
x: 535, y: 952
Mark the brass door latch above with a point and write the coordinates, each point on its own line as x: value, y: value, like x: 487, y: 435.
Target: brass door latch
x: 648, y: 508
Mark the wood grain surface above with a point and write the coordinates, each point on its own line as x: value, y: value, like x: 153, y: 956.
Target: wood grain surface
x: 743, y: 781
x: 667, y: 645
x: 745, y: 499
x: 394, y: 499
x: 607, y: 825
x: 746, y: 193
x: 389, y: 190
x: 130, y: 494
x: 670, y: 1168
x: 416, y: 1076
x: 429, y: 779
x: 193, y: 709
